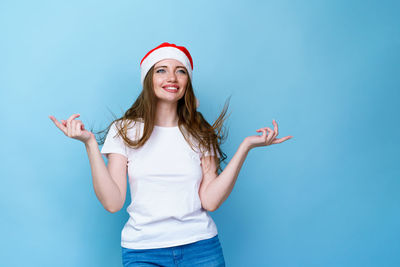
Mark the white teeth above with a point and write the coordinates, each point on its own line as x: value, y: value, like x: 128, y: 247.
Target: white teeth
x: 171, y: 88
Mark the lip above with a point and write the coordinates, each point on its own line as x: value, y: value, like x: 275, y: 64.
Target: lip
x: 170, y: 91
x: 171, y: 85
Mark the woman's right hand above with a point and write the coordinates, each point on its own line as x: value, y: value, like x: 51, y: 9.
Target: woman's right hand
x: 74, y: 128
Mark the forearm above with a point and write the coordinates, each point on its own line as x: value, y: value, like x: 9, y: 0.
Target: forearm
x: 106, y: 189
x: 220, y: 188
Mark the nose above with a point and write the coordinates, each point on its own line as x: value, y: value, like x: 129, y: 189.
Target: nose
x: 171, y: 76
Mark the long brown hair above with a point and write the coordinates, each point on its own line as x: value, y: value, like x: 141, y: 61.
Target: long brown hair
x: 191, y: 122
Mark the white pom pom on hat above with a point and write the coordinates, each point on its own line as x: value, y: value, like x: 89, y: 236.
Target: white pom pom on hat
x: 166, y: 51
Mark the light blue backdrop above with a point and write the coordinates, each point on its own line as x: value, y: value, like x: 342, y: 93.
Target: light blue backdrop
x: 327, y: 71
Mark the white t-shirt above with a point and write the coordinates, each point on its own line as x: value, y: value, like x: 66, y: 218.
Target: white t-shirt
x: 164, y: 179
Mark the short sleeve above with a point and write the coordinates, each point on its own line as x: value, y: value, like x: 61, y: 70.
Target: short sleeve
x: 114, y: 143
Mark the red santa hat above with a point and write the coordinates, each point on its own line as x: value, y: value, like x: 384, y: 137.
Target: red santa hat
x: 164, y: 51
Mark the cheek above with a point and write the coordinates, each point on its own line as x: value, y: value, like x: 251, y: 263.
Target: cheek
x: 155, y: 80
x: 184, y: 82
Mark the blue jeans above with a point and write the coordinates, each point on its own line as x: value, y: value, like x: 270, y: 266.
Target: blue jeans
x: 207, y: 253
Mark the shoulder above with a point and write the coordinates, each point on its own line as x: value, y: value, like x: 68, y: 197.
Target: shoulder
x: 133, y: 128
x: 128, y: 123
x: 196, y: 144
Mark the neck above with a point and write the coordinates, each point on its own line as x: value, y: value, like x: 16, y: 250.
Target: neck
x: 166, y: 114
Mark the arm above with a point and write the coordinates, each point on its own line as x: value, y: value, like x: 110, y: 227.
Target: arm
x: 109, y: 182
x: 214, y: 188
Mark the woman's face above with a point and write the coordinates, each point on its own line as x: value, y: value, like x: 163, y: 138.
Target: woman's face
x: 170, y: 79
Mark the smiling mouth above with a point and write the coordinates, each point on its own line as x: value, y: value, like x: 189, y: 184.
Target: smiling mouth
x: 171, y: 89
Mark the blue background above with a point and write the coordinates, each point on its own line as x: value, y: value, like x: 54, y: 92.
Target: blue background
x: 327, y: 71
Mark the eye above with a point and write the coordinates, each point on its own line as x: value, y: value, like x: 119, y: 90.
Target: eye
x: 182, y: 71
x: 160, y: 70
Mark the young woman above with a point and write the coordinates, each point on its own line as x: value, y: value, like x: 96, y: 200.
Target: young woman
x: 172, y: 156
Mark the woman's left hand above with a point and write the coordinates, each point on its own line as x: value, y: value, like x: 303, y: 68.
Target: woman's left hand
x: 267, y: 138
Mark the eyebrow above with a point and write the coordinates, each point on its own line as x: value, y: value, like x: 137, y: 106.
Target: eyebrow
x: 167, y: 67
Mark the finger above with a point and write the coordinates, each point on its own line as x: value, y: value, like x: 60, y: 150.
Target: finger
x: 73, y: 128
x: 270, y: 137
x: 78, y: 127
x: 259, y: 130
x: 73, y: 116
x: 69, y: 128
x: 275, y: 127
x: 59, y: 125
x: 71, y: 120
x: 271, y: 132
x: 280, y: 140
x: 264, y: 134
x: 266, y: 128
